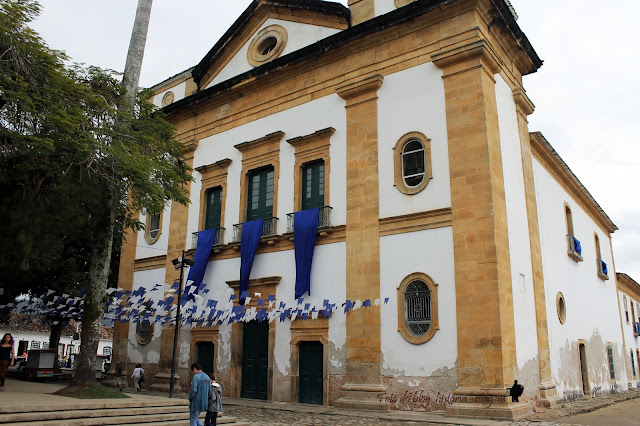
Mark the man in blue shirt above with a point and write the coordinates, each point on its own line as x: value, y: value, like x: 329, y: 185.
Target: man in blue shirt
x: 199, y: 395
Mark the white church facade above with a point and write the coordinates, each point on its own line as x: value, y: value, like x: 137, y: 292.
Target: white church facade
x: 471, y: 253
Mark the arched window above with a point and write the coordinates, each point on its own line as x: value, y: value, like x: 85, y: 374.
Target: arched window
x: 417, y: 308
x: 412, y: 163
x: 153, y: 227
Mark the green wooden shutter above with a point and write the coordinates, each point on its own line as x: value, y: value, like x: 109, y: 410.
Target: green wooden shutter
x: 214, y: 208
x: 313, y: 185
x: 260, y: 196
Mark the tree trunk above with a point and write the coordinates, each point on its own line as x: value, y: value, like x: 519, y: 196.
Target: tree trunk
x: 136, y: 51
x: 94, y: 302
x: 54, y: 339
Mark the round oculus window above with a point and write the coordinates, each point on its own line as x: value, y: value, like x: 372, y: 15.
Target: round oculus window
x: 168, y: 98
x: 268, y: 44
x: 561, y: 307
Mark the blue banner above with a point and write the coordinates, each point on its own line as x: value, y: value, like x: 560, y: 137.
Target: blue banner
x: 305, y: 227
x: 249, y: 239
x: 206, y: 239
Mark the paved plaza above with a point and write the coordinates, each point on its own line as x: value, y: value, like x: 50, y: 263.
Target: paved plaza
x: 257, y: 413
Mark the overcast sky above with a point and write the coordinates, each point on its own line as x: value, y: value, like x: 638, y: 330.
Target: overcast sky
x: 586, y: 93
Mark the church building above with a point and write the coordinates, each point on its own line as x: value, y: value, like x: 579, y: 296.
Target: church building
x: 385, y: 146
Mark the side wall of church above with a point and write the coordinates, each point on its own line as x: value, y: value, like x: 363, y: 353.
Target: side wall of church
x: 592, y: 316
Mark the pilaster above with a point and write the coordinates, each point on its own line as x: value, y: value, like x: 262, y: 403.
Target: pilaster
x: 484, y: 301
x: 363, y: 383
x: 548, y: 393
x: 177, y: 243
x: 361, y: 10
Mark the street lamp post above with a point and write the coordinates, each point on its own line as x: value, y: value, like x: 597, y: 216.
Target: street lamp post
x: 177, y: 263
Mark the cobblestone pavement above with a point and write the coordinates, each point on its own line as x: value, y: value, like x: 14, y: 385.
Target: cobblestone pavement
x: 261, y: 416
x: 298, y: 415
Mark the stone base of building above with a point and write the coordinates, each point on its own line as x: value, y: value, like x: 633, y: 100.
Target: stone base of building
x: 162, y: 383
x: 549, y: 397
x: 492, y: 404
x: 362, y: 397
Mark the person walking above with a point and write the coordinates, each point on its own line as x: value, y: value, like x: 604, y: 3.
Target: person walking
x: 516, y: 391
x: 136, y: 376
x: 215, y: 402
x: 7, y: 358
x: 199, y: 394
x: 117, y: 378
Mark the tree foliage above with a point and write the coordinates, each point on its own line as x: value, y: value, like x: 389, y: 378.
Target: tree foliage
x: 76, y: 165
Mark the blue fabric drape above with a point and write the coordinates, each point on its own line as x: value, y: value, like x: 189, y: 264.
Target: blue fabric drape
x: 604, y: 268
x: 206, y: 239
x: 577, y: 245
x: 305, y: 227
x: 250, y: 237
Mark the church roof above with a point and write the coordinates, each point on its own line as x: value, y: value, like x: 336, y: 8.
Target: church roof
x: 324, y: 7
x: 397, y: 17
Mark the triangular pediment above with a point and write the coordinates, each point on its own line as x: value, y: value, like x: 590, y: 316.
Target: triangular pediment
x: 266, y: 30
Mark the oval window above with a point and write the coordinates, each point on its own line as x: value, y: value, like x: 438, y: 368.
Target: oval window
x: 154, y: 226
x: 417, y: 307
x: 413, y: 169
x: 267, y: 45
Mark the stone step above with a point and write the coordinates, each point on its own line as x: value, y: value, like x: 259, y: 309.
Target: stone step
x: 152, y: 419
x: 221, y: 420
x: 89, y: 413
x: 115, y: 404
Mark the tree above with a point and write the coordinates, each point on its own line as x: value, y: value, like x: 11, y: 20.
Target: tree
x: 69, y: 139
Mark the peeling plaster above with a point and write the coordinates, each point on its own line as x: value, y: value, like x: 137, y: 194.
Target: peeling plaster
x: 568, y: 376
x: 224, y: 347
x: 337, y: 359
x: 282, y: 349
x: 529, y: 376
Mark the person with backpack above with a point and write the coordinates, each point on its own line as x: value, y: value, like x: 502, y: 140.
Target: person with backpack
x: 215, y: 402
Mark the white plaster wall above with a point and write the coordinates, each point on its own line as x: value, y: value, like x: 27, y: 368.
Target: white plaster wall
x: 591, y: 303
x: 632, y: 342
x: 299, y: 36
x: 413, y: 101
x: 327, y: 282
x: 178, y: 90
x: 384, y: 6
x: 158, y: 248
x: 299, y: 121
x: 517, y: 221
x: 151, y: 351
x: 429, y: 252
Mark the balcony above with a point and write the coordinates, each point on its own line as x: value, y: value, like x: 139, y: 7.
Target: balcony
x: 324, y: 219
x: 269, y: 227
x: 603, y: 273
x: 574, y: 250
x: 219, y: 238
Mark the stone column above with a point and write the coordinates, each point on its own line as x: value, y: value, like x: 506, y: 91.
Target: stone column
x: 177, y: 241
x: 548, y: 394
x: 484, y: 302
x: 364, y: 356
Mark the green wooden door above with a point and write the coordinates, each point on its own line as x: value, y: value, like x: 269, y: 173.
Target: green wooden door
x: 313, y: 185
x: 205, y: 356
x: 260, y: 197
x: 214, y: 208
x: 310, y: 372
x: 255, y: 359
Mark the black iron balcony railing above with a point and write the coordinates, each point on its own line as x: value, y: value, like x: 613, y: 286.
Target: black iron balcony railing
x: 219, y: 238
x: 324, y: 218
x: 269, y: 227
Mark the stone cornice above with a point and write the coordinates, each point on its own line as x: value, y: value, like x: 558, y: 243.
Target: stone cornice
x: 265, y: 140
x: 479, y: 49
x: 189, y: 146
x: 148, y: 263
x: 523, y: 103
x: 628, y: 285
x: 222, y: 164
x: 356, y: 88
x: 549, y: 158
x: 320, y: 134
x: 256, y: 281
